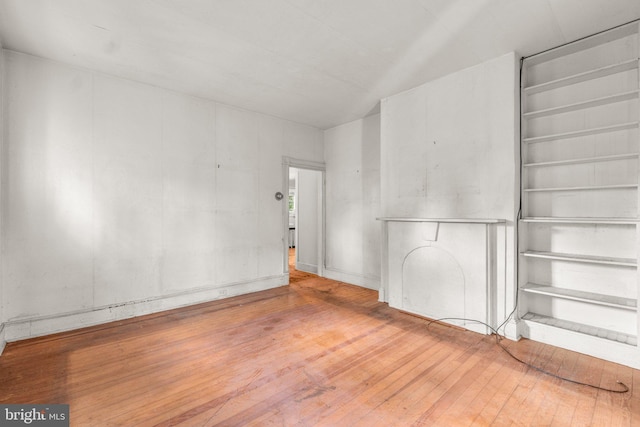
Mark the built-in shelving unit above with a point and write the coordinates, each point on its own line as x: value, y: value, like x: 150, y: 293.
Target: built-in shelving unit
x: 578, y: 237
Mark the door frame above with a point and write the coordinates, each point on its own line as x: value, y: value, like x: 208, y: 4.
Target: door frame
x: 287, y: 163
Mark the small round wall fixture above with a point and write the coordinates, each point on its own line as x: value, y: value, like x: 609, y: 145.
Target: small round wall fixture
x: 279, y: 196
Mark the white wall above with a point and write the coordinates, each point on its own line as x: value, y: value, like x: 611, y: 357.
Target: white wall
x: 449, y: 149
x: 308, y: 218
x: 122, y: 198
x: 352, y: 156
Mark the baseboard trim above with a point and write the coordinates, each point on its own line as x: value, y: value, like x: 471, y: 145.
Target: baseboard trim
x: 352, y: 279
x: 307, y: 268
x: 512, y: 330
x: 20, y: 329
x: 602, y: 348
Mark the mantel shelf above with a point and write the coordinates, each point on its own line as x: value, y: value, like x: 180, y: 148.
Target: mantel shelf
x: 583, y: 132
x: 589, y: 259
x: 578, y: 220
x: 445, y: 220
x: 581, y: 77
x: 575, y: 295
x: 619, y: 97
x: 582, y: 160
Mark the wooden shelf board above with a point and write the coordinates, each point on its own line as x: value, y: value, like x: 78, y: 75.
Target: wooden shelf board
x: 567, y: 220
x: 619, y: 97
x: 589, y: 259
x: 582, y: 328
x: 575, y: 295
x: 579, y: 133
x: 581, y: 77
x: 596, y: 159
x: 589, y: 187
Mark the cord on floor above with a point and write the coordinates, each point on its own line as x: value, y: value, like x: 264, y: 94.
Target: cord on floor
x: 499, y: 339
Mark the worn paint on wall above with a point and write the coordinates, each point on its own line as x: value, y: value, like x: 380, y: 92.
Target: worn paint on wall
x: 449, y: 149
x: 352, y: 155
x: 118, y: 192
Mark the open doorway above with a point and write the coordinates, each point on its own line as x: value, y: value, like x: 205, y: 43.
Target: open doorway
x: 304, y: 218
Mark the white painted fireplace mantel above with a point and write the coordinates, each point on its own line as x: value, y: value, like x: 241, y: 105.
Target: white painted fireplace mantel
x: 444, y: 268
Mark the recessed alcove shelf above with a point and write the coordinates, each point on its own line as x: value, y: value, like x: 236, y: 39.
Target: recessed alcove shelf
x: 581, y: 220
x: 619, y: 97
x: 583, y: 160
x: 581, y: 328
x: 585, y: 188
x: 576, y: 295
x: 622, y: 262
x: 578, y: 243
x: 596, y: 73
x: 582, y: 132
x: 601, y: 40
x: 444, y: 220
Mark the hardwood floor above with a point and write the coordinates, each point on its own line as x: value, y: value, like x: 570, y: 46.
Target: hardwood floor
x: 317, y: 352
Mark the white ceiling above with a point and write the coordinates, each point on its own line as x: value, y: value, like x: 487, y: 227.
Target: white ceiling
x: 320, y: 62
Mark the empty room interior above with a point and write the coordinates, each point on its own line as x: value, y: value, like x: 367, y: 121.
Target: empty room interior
x: 320, y: 213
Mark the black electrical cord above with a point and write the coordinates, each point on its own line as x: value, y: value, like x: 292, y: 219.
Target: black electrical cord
x: 499, y: 338
x: 519, y: 213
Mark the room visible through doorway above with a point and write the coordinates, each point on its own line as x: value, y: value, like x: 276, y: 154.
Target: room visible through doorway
x: 304, y: 222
